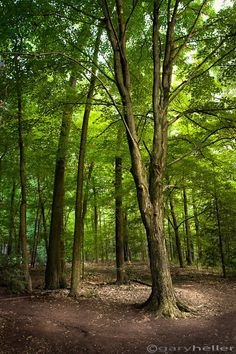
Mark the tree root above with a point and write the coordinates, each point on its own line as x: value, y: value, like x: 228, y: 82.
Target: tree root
x: 171, y: 310
x: 141, y: 282
x: 185, y: 308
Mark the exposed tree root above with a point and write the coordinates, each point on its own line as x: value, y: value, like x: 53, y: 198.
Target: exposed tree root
x: 184, y: 308
x: 167, y: 309
x: 140, y: 282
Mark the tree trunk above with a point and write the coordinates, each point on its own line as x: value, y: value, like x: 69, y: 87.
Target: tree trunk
x: 197, y: 231
x: 176, y: 231
x: 11, y: 219
x: 189, y: 244
x: 119, y: 225
x: 101, y: 236
x: 221, y: 248
x: 54, y: 276
x: 2, y: 246
x: 95, y: 223
x: 171, y: 249
x: 79, y: 224
x: 45, y: 231
x: 35, y: 238
x: 127, y: 252
x: 23, y: 203
x: 150, y: 195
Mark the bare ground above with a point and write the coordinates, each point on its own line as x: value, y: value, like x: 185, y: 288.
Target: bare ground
x: 104, y: 320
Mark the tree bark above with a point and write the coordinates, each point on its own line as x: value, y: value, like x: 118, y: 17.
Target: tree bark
x: 54, y: 276
x: 79, y: 224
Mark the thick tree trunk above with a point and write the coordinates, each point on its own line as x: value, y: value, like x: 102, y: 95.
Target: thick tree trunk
x: 54, y: 276
x: 176, y: 232
x: 23, y: 203
x: 162, y: 297
x: 119, y: 225
x: 79, y: 224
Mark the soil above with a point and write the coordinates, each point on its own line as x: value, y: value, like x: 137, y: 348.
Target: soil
x: 103, y: 319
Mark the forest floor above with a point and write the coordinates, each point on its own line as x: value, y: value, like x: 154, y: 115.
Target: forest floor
x: 104, y: 320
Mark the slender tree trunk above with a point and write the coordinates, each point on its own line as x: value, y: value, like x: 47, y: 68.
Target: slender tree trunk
x: 54, y: 276
x: 176, y: 232
x: 45, y: 231
x: 171, y: 250
x: 101, y: 236
x: 197, y: 231
x: 127, y: 252
x: 221, y: 247
x: 190, y: 253
x: 35, y: 238
x: 85, y: 204
x: 119, y: 225
x: 23, y: 203
x: 11, y: 219
x: 79, y: 225
x: 95, y: 223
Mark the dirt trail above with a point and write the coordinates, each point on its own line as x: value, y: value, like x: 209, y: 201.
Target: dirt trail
x: 103, y: 320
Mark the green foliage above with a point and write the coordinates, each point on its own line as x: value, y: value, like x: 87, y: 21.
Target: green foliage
x: 11, y: 275
x: 54, y: 39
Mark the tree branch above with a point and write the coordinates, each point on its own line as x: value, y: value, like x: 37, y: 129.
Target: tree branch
x: 179, y: 88
x: 190, y: 32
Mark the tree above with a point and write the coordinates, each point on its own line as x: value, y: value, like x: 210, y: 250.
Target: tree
x: 149, y: 193
x: 79, y: 217
x: 165, y: 53
x: 23, y: 205
x: 54, y: 276
x: 176, y: 231
x: 190, y: 254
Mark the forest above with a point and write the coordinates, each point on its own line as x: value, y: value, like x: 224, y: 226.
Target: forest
x: 117, y: 176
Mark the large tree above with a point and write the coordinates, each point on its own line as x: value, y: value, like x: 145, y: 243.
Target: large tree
x: 171, y: 35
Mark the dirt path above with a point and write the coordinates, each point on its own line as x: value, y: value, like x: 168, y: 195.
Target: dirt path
x: 103, y: 320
